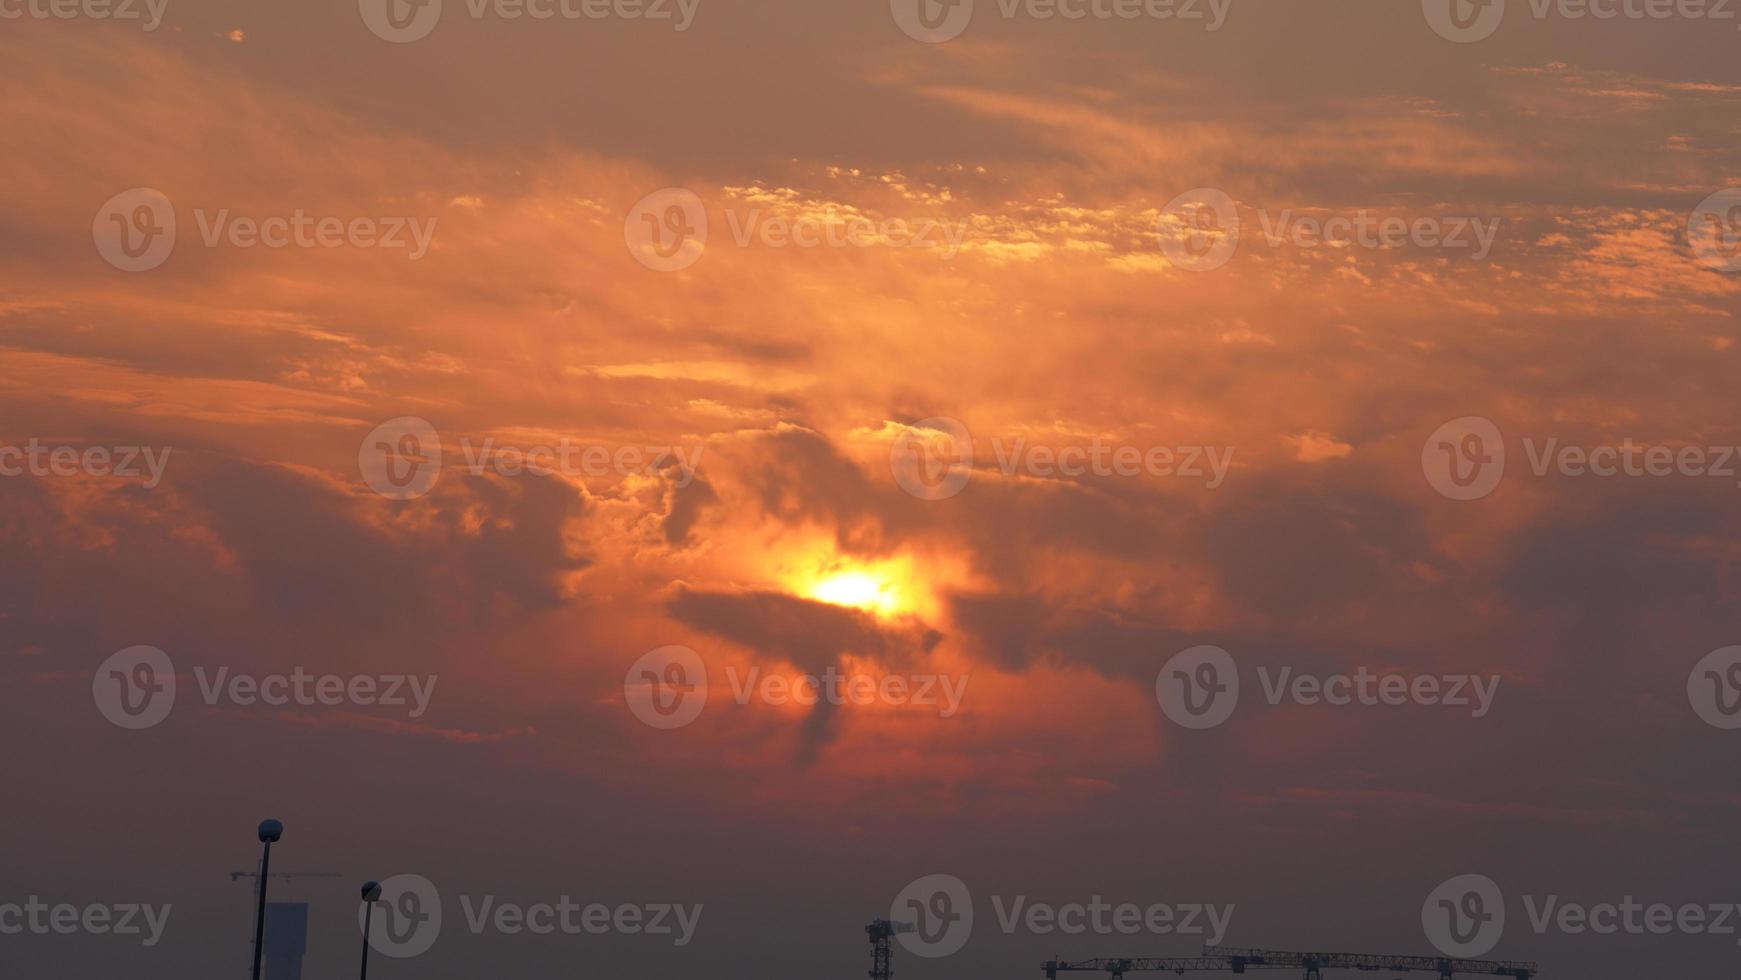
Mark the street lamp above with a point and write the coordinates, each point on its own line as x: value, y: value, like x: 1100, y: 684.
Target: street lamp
x: 371, y: 895
x: 270, y: 832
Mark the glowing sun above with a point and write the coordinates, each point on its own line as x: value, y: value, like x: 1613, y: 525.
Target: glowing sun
x: 860, y: 590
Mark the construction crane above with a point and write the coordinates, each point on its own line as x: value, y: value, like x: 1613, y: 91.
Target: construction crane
x: 285, y: 875
x: 1231, y: 959
x: 1117, y: 968
x: 1315, y: 963
x: 880, y: 932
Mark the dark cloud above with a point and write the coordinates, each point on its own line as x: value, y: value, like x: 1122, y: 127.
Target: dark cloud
x: 809, y: 635
x: 686, y: 507
x: 812, y: 636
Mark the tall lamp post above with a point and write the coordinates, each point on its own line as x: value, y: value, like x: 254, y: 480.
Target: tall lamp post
x: 371, y: 895
x: 270, y: 832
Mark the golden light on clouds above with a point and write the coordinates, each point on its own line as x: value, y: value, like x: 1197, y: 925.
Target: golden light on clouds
x: 858, y: 589
x: 886, y: 588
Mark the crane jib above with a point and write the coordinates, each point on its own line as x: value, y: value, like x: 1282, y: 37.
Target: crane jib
x: 1223, y: 959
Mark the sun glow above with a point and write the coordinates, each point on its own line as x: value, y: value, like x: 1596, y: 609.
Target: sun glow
x: 889, y: 587
x: 858, y: 589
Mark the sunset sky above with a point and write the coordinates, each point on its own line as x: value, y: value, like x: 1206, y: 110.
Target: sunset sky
x: 1024, y: 275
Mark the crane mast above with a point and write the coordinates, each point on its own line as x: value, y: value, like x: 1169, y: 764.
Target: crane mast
x: 880, y: 932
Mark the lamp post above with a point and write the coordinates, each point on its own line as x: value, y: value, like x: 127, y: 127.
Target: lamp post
x: 270, y: 832
x: 371, y: 895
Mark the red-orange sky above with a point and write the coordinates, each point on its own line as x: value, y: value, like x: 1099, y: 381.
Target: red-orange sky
x: 1053, y: 308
